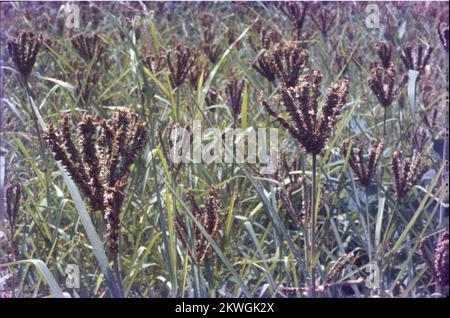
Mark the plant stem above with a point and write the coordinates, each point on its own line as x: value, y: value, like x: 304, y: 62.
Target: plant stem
x: 384, y: 121
x: 444, y: 179
x: 178, y: 103
x: 172, y: 239
x: 117, y: 274
x: 313, y: 229
x: 382, y: 193
x: 369, y: 243
x: 42, y: 147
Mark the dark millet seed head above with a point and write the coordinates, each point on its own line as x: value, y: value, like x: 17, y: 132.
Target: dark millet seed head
x: 304, y: 217
x: 12, y: 193
x: 267, y: 38
x: 420, y: 139
x: 155, y: 62
x: 415, y: 57
x: 208, y: 34
x: 442, y: 30
x: 180, y: 60
x: 383, y: 83
x: 99, y: 165
x: 338, y: 266
x: 284, y: 167
x: 384, y: 52
x: 23, y: 50
x: 89, y: 46
x: 173, y: 133
x: 323, y: 19
x: 430, y: 119
x: 364, y: 172
x: 287, y: 61
x: 425, y: 256
x: 231, y: 36
x: 296, y: 13
x: 234, y: 91
x: 196, y: 70
x: 301, y: 216
x: 263, y: 66
x: 301, y: 102
x: 209, y: 217
x: 406, y: 172
x: 113, y: 200
x: 85, y: 81
x: 213, y: 97
x: 438, y: 267
x: 441, y: 259
x: 206, y: 18
x: 212, y: 50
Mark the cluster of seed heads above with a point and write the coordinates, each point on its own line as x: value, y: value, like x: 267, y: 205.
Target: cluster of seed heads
x: 284, y: 167
x: 267, y: 37
x: 287, y: 62
x: 415, y: 57
x: 208, y: 216
x: 420, y: 138
x: 324, y: 19
x: 301, y: 216
x: 180, y: 60
x: 234, y: 90
x: 301, y: 102
x: 100, y: 164
x: 263, y: 67
x: 442, y: 30
x: 24, y: 49
x: 90, y: 47
x: 196, y: 71
x: 86, y: 79
x: 12, y: 195
x: 213, y: 97
x: 155, y: 62
x: 351, y: 54
x: 296, y: 13
x: 406, y: 172
x: 438, y: 267
x: 206, y: 18
x: 364, y: 172
x: 343, y: 57
x: 338, y: 266
x: 174, y: 133
x: 231, y: 36
x: 212, y: 50
x: 385, y: 85
x: 430, y: 119
x: 384, y: 52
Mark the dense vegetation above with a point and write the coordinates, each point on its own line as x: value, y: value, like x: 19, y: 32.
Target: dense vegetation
x: 358, y: 203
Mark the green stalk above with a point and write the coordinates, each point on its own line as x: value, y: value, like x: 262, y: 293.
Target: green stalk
x: 312, y: 230
x: 172, y: 239
x: 178, y: 103
x: 41, y: 142
x: 445, y: 174
x: 116, y: 269
x: 381, y: 194
x: 369, y: 243
x: 384, y: 121
x: 444, y: 179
